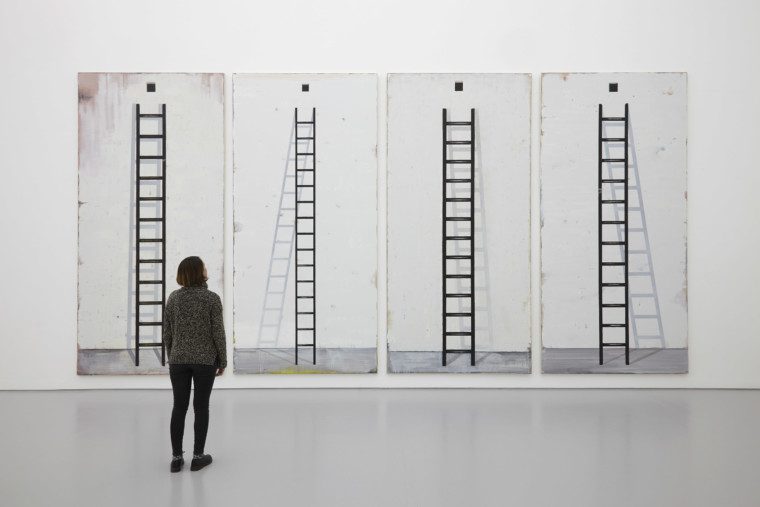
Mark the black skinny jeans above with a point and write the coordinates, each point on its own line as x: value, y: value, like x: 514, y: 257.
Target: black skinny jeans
x: 181, y: 376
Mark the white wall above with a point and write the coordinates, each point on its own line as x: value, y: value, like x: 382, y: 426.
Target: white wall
x: 47, y: 43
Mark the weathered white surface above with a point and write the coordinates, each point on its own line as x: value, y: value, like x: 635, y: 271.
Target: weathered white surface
x: 502, y: 195
x: 346, y: 209
x: 569, y: 250
x: 194, y: 199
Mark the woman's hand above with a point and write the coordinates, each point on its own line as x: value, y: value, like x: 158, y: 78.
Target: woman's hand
x: 219, y: 371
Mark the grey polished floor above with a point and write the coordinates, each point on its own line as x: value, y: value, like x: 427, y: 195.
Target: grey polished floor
x: 388, y: 447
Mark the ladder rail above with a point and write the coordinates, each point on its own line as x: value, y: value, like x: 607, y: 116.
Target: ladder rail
x: 446, y: 161
x: 613, y: 201
x: 313, y: 201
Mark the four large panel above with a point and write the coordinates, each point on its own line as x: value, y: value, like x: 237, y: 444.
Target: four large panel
x: 613, y: 219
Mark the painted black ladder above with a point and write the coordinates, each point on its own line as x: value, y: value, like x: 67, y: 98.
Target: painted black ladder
x: 450, y: 202
x: 305, y: 232
x: 608, y: 216
x: 142, y: 202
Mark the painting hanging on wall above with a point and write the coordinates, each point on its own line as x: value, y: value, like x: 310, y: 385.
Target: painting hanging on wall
x: 305, y: 222
x: 151, y: 192
x: 459, y: 223
x: 613, y: 213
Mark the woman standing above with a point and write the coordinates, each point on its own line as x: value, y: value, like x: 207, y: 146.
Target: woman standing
x: 195, y: 342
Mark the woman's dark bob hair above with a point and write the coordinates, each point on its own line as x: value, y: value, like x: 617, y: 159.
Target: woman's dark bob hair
x: 190, y: 272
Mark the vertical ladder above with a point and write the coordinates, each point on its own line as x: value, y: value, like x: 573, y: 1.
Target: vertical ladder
x: 452, y: 293
x: 305, y: 232
x: 142, y: 203
x: 608, y: 215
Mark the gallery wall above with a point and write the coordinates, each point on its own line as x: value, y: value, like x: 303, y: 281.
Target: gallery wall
x: 48, y: 43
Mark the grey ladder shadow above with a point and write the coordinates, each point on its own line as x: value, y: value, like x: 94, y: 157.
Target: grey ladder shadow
x: 648, y: 274
x: 272, y: 309
x: 154, y: 269
x: 482, y: 288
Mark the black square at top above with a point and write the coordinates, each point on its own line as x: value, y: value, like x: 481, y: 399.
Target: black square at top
x: 458, y: 86
x: 151, y: 87
x: 304, y: 87
x: 613, y: 87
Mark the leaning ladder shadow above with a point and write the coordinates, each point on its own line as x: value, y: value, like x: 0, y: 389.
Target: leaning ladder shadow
x: 650, y: 292
x: 272, y: 310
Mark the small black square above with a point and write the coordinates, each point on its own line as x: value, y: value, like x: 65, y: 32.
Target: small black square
x: 613, y: 87
x: 305, y: 87
x: 458, y: 86
x: 151, y: 87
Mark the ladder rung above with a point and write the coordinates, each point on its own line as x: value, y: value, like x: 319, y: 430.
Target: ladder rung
x: 622, y: 344
x: 458, y: 276
x: 458, y: 219
x: 613, y: 242
x: 458, y: 161
x: 458, y: 333
x: 613, y: 118
x: 304, y: 329
x: 304, y: 186
x: 458, y: 142
x: 611, y: 222
x: 151, y: 240
x: 151, y: 157
x: 304, y: 345
x: 150, y: 136
x: 304, y: 265
x: 304, y: 281
x: 304, y: 123
x: 150, y: 199
x: 305, y: 170
x: 458, y: 256
x: 458, y: 199
x: 458, y: 123
x: 150, y: 302
x: 151, y: 344
x: 151, y: 282
x: 613, y: 263
x: 459, y: 314
x: 616, y: 180
x: 613, y: 139
x: 150, y: 323
x: 301, y: 138
x: 151, y: 261
x: 613, y: 284
x: 613, y: 201
x: 458, y: 237
x: 458, y: 180
x: 151, y: 178
x: 458, y: 295
x: 452, y: 351
x: 304, y: 313
x: 305, y: 297
x: 613, y: 160
x: 304, y: 249
x: 304, y: 234
x: 151, y: 115
x: 151, y: 220
x: 613, y: 325
x: 305, y: 202
x: 614, y: 305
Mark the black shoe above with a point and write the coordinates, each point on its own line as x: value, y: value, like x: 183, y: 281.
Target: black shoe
x: 200, y: 461
x: 176, y: 465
